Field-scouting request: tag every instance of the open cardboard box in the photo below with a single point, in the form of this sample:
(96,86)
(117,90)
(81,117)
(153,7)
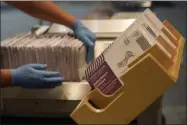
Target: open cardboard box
(148,77)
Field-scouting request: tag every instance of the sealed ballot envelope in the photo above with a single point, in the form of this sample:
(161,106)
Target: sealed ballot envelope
(104,72)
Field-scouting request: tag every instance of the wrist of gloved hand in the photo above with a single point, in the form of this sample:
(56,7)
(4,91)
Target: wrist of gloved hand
(34,76)
(77,24)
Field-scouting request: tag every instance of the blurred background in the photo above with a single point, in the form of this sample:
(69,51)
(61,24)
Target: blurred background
(174,104)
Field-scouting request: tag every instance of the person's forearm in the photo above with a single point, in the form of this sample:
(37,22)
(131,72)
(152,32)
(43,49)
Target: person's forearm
(45,10)
(5,78)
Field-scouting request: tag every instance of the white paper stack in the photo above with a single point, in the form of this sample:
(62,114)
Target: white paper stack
(61,53)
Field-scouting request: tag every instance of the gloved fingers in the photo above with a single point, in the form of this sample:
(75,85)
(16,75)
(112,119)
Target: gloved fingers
(54,80)
(92,37)
(38,66)
(89,49)
(90,54)
(47,73)
(87,41)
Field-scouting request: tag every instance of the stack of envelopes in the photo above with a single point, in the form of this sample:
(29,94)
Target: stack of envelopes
(61,53)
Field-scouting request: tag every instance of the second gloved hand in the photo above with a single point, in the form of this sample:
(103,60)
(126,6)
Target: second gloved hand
(34,76)
(87,37)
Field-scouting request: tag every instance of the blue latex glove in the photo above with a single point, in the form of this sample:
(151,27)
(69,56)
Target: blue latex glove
(34,76)
(87,37)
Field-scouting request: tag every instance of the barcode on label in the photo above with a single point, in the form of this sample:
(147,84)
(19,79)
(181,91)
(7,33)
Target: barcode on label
(143,43)
(149,30)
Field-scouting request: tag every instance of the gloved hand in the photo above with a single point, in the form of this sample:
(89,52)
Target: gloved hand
(87,37)
(34,76)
